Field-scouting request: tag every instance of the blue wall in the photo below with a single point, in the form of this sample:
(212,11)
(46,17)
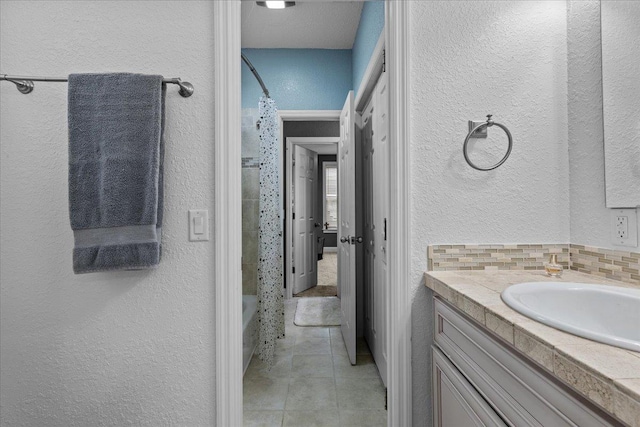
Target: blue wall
(314,79)
(369,30)
(298,79)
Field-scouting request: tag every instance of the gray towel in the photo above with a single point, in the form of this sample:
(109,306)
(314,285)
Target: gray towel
(115,170)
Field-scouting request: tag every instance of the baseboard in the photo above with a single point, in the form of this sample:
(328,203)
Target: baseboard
(333,250)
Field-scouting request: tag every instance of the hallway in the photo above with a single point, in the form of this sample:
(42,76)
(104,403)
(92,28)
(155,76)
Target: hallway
(313,383)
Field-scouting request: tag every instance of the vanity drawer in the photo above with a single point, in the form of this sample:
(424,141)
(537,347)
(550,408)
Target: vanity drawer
(522,393)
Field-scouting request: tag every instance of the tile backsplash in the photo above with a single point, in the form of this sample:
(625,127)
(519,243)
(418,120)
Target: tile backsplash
(612,264)
(495,256)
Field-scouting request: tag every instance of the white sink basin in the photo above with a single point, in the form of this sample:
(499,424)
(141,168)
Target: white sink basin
(608,314)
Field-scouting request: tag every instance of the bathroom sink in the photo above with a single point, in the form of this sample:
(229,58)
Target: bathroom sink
(607,314)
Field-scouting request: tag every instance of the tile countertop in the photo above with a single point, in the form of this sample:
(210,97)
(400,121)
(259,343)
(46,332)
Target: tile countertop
(607,375)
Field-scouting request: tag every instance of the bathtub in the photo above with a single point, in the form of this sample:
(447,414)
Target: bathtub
(249,328)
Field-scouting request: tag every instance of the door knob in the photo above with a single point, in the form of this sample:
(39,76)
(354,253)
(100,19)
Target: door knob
(344,239)
(355,240)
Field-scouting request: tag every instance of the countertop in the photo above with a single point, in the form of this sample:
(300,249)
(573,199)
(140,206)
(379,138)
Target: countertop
(608,376)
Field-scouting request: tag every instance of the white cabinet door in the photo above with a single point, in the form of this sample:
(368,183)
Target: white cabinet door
(455,402)
(347,226)
(519,390)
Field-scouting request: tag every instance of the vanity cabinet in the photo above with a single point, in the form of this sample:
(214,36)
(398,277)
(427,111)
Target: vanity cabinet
(456,402)
(488,383)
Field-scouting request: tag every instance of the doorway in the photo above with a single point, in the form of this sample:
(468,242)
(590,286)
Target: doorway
(310,215)
(228,370)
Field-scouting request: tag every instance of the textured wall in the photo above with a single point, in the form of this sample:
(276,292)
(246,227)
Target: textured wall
(469,59)
(369,30)
(298,79)
(114,348)
(590,220)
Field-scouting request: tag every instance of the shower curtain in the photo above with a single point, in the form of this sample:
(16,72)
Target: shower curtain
(270,274)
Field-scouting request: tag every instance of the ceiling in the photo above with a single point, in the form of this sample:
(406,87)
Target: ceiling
(307,25)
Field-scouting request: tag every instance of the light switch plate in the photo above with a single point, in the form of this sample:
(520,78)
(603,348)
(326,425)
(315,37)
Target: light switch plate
(198,225)
(624,227)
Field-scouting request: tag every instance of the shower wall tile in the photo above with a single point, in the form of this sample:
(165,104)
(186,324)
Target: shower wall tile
(250,162)
(250,215)
(495,256)
(250,183)
(250,148)
(249,279)
(612,264)
(250,247)
(250,199)
(250,133)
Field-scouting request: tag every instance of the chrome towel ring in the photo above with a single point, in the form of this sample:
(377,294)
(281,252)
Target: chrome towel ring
(488,124)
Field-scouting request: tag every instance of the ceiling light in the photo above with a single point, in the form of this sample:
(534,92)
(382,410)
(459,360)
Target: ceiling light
(276,4)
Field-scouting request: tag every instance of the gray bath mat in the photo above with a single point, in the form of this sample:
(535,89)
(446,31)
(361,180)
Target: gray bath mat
(321,311)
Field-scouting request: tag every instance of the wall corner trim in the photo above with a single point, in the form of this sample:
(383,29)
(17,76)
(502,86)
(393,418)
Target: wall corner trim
(228,275)
(399,302)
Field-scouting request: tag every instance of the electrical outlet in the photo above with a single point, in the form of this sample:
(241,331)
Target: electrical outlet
(624,227)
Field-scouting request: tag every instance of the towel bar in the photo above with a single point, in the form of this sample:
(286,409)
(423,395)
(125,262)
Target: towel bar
(25,84)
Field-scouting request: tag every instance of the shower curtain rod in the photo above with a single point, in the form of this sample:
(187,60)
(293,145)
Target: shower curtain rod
(255,73)
(25,84)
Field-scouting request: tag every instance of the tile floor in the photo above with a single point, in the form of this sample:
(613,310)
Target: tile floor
(313,383)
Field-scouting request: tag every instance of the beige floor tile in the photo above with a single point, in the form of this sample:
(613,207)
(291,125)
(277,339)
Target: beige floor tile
(312,346)
(303,382)
(363,418)
(258,369)
(337,343)
(311,394)
(307,332)
(311,419)
(360,393)
(285,345)
(265,393)
(263,418)
(292,330)
(365,366)
(312,366)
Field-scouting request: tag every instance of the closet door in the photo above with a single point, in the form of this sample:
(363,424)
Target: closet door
(369,295)
(380,141)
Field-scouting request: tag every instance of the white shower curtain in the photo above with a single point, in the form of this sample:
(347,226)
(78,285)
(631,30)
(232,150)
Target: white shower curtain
(270,274)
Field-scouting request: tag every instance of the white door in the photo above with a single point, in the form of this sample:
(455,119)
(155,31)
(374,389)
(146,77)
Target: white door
(380,142)
(370,331)
(305,255)
(376,212)
(346,227)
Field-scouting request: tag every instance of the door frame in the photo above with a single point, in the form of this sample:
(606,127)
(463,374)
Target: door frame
(290,143)
(228,223)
